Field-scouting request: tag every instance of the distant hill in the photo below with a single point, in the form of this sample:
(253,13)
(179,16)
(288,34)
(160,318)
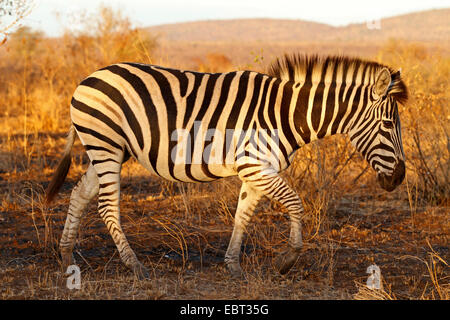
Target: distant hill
(432,25)
(267,30)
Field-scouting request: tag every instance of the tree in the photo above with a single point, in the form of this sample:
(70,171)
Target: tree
(24,40)
(11,12)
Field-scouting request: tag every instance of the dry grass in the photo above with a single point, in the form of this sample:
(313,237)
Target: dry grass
(181,231)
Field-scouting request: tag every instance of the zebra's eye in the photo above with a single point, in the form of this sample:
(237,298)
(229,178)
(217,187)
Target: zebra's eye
(388,124)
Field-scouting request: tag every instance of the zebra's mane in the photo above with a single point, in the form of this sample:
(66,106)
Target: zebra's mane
(296,67)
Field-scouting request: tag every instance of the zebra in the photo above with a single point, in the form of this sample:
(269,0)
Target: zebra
(138,110)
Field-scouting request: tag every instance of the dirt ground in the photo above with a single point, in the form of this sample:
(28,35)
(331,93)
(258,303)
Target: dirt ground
(181,232)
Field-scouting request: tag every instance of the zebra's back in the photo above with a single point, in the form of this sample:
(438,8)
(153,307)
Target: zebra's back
(181,125)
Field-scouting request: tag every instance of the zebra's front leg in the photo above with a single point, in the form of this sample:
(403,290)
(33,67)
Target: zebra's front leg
(108,207)
(248,198)
(274,187)
(82,194)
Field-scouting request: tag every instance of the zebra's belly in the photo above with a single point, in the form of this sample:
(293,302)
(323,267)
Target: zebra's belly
(191,172)
(181,160)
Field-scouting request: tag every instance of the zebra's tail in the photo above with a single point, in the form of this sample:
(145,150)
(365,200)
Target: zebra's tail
(63,168)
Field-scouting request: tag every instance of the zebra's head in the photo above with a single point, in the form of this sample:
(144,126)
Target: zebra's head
(377,132)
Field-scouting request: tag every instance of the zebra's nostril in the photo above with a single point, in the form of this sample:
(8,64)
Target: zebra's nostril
(390,182)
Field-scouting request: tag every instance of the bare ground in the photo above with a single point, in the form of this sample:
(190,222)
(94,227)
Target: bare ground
(181,232)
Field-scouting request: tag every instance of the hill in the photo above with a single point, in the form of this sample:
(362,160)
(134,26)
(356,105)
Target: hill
(429,25)
(267,30)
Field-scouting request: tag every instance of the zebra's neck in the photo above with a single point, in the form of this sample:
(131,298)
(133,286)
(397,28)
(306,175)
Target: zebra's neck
(330,106)
(329,94)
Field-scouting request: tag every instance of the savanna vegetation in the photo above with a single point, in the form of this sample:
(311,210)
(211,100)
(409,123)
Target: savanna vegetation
(181,231)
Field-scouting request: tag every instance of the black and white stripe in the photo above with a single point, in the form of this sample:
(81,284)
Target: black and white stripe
(177,124)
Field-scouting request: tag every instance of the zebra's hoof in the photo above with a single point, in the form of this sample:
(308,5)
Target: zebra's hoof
(235,270)
(141,272)
(286,260)
(67,258)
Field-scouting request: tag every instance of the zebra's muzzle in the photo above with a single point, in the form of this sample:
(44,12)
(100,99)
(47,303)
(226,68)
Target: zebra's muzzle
(389,183)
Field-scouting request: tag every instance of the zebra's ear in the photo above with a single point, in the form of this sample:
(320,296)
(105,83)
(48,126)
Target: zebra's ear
(383,82)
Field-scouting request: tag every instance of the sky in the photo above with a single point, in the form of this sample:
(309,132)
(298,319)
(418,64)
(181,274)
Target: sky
(54,16)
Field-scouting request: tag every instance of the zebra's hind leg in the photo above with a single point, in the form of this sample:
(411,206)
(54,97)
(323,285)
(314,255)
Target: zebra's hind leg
(248,198)
(82,194)
(108,207)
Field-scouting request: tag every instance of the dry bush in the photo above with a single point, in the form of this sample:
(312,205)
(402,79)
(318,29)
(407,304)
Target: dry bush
(321,173)
(38,75)
(365,293)
(214,62)
(109,38)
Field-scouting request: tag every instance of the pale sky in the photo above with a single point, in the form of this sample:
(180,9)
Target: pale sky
(154,12)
